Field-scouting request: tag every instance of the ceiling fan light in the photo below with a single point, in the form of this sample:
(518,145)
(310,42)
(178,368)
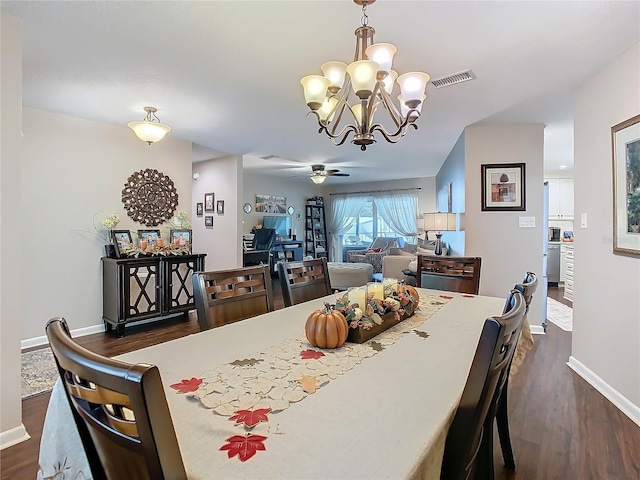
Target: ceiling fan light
(382,54)
(335,72)
(412,87)
(363,77)
(318,179)
(315,90)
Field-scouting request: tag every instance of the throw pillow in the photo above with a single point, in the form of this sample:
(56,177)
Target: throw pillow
(402,253)
(425,251)
(373,250)
(413,265)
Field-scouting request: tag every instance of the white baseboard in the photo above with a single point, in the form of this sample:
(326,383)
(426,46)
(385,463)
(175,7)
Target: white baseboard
(13,437)
(79,332)
(537,330)
(624,405)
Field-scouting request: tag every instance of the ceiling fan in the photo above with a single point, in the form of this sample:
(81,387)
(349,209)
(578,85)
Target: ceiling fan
(319,174)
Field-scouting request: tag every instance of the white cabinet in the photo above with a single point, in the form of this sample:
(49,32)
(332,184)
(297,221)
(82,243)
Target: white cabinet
(567,256)
(560,198)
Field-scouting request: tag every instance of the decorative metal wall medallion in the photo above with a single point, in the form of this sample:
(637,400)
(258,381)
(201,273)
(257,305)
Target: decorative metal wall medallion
(150,197)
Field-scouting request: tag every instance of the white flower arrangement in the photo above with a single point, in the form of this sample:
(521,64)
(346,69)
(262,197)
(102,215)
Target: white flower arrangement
(111,221)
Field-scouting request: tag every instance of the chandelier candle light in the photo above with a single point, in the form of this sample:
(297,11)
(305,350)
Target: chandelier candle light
(149,130)
(371,79)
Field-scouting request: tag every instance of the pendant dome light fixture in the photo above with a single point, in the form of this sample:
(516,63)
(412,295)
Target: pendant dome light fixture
(150,129)
(331,98)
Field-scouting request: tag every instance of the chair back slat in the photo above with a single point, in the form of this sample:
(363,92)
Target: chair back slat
(455,274)
(304,280)
(227,296)
(493,355)
(120,410)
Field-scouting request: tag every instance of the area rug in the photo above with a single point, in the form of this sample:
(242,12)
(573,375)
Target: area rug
(39,372)
(559,314)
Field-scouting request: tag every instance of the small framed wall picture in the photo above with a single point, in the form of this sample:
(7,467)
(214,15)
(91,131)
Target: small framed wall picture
(122,242)
(199,209)
(208,202)
(180,238)
(208,221)
(503,187)
(220,207)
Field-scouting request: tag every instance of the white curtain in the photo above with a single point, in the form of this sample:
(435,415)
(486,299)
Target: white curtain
(342,216)
(399,210)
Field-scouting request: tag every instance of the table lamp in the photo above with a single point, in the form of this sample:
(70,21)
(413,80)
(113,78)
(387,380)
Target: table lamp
(440,222)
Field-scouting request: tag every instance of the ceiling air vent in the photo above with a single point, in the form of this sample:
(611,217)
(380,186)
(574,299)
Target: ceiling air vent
(269,157)
(453,79)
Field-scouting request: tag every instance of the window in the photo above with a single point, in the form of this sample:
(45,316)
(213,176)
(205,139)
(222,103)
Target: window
(368,225)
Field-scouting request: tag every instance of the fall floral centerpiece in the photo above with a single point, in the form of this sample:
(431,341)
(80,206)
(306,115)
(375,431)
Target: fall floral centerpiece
(378,312)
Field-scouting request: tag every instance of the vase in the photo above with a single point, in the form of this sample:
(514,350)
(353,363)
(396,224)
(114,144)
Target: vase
(109,251)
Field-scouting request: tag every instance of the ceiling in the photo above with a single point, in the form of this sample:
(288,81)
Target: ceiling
(225,74)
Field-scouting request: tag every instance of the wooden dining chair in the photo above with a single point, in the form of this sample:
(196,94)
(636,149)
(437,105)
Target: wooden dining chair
(455,274)
(468,452)
(227,296)
(304,280)
(527,288)
(120,410)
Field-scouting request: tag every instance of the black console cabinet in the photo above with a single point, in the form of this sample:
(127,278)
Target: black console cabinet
(144,288)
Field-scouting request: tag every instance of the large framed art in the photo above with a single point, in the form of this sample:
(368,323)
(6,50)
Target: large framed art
(625,146)
(503,187)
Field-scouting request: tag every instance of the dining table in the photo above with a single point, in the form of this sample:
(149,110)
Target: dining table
(253,399)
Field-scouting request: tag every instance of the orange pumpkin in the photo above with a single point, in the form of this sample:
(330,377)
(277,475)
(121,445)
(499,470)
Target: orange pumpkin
(409,290)
(326,328)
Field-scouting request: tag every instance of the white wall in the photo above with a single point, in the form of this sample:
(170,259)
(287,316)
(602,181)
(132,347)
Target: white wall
(72,169)
(606,332)
(507,251)
(296,193)
(11,252)
(453,171)
(223,178)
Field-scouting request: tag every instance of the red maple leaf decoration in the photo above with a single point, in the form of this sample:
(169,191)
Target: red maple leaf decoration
(468,296)
(245,446)
(446,297)
(186,386)
(311,354)
(251,418)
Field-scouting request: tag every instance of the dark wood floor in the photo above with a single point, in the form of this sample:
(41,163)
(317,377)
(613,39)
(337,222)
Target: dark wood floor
(561,427)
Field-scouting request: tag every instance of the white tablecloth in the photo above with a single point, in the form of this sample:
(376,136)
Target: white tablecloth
(386,418)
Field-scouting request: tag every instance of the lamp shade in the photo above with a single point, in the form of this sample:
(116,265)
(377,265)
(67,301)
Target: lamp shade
(363,77)
(412,87)
(326,109)
(439,221)
(382,54)
(335,72)
(315,90)
(149,132)
(389,81)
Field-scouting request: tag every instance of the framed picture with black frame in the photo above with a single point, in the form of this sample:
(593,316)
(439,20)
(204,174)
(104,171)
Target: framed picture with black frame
(180,238)
(122,241)
(503,187)
(199,209)
(208,202)
(220,207)
(150,236)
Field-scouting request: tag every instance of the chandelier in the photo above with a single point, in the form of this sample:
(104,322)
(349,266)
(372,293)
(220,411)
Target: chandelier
(150,129)
(346,98)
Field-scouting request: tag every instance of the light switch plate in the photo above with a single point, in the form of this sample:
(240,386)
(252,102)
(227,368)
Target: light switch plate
(583,220)
(527,222)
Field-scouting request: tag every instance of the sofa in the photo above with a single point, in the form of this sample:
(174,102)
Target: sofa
(373,255)
(404,258)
